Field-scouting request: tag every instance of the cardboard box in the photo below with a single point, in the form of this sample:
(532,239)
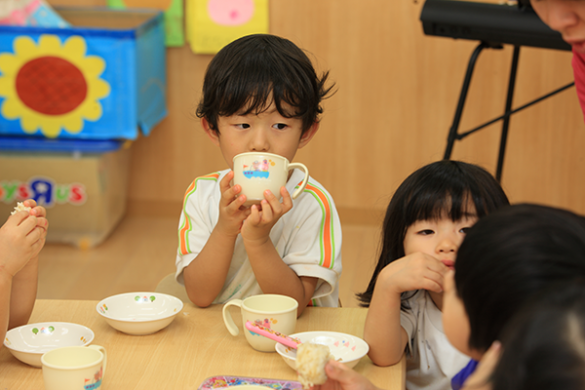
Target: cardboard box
(101,79)
(83,187)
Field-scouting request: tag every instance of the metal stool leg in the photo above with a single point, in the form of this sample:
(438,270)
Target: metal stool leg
(462,96)
(454,134)
(506,120)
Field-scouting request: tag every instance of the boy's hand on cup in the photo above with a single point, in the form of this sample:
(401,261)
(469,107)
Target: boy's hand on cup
(414,272)
(259,223)
(231,210)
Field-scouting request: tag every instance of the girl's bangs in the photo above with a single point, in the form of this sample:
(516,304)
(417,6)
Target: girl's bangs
(434,204)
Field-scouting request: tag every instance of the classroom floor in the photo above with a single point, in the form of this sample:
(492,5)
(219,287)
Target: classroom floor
(141,251)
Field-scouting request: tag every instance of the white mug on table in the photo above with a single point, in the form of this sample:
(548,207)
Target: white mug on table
(277,312)
(74,368)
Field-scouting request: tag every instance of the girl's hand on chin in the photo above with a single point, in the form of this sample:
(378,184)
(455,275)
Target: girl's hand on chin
(417,271)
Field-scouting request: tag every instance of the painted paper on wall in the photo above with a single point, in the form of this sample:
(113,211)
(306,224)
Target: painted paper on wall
(212,24)
(173,16)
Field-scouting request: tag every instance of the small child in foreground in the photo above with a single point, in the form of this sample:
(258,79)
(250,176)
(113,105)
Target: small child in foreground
(21,239)
(541,348)
(506,262)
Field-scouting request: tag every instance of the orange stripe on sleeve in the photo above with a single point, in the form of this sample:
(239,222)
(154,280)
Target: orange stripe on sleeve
(326,237)
(187,225)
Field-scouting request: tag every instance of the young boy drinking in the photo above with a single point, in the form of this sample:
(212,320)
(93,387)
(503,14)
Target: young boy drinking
(260,94)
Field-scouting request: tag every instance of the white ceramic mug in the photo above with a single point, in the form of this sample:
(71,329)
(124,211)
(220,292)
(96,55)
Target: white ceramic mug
(277,312)
(74,368)
(258,172)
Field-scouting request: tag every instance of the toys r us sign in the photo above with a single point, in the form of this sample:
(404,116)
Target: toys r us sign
(45,191)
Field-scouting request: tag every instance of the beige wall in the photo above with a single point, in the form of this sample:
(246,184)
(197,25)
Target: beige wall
(397,91)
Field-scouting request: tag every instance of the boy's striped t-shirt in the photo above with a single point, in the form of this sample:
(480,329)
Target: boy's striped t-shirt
(308,238)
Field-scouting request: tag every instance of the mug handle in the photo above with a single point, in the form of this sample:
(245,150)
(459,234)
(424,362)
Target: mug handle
(305,180)
(227,317)
(102,350)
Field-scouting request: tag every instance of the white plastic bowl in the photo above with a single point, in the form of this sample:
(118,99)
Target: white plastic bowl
(345,348)
(29,342)
(139,313)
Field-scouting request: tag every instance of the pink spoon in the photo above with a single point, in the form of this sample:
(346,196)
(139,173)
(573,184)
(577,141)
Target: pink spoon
(273,335)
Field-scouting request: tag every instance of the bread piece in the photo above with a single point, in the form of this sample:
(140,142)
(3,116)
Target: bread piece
(311,360)
(20,207)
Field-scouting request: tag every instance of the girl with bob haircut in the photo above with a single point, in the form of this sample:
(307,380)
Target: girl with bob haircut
(425,223)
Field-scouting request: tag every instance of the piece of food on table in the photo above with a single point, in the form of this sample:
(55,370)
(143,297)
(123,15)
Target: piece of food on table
(20,207)
(311,360)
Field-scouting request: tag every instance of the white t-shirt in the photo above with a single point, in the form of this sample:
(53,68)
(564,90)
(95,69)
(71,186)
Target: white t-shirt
(308,238)
(431,361)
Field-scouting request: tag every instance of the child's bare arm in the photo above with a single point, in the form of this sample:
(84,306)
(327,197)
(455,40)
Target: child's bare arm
(23,294)
(25,282)
(21,239)
(384,334)
(272,273)
(275,277)
(205,275)
(17,297)
(5,289)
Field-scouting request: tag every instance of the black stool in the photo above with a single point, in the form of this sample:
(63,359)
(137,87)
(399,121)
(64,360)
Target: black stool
(493,25)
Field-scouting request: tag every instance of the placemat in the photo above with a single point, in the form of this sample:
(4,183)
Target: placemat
(215,382)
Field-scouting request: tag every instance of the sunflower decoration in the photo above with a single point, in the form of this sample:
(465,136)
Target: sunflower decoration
(51,86)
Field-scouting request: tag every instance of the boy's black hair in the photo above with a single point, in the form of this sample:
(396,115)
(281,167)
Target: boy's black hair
(510,256)
(544,344)
(250,73)
(441,187)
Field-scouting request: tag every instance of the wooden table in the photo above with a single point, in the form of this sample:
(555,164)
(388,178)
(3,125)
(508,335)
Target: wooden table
(195,346)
